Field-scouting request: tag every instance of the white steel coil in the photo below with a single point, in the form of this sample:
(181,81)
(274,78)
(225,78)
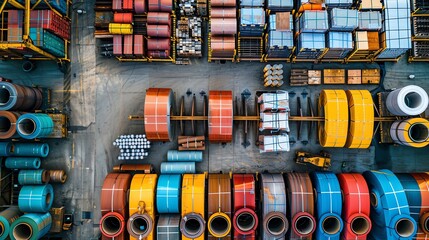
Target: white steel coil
(411,100)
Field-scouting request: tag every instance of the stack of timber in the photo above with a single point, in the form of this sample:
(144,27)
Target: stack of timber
(191,143)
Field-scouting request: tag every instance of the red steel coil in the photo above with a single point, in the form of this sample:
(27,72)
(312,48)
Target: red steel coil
(223,3)
(139,6)
(158,31)
(123,17)
(127,4)
(128,44)
(356,207)
(157,114)
(116,4)
(222,46)
(117,45)
(158,44)
(223,26)
(159,54)
(160,5)
(224,13)
(138,45)
(245,220)
(422,180)
(114,209)
(161,18)
(8,124)
(220,116)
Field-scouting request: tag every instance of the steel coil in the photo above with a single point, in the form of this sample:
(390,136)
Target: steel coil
(413,132)
(168,227)
(224,13)
(7,217)
(301,201)
(6,149)
(161,18)
(390,213)
(139,6)
(273,198)
(192,224)
(222,46)
(162,31)
(122,17)
(141,223)
(361,129)
(157,108)
(15,97)
(22,163)
(57,176)
(177,167)
(356,206)
(36,198)
(143,168)
(34,125)
(162,54)
(411,100)
(31,226)
(245,220)
(334,108)
(184,156)
(30,150)
(158,44)
(30,177)
(168,193)
(219,206)
(8,124)
(223,26)
(160,5)
(114,205)
(120,28)
(220,116)
(223,3)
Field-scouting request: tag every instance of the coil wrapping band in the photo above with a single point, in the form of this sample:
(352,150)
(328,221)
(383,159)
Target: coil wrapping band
(32,177)
(219,206)
(328,205)
(334,108)
(413,132)
(168,193)
(31,226)
(36,198)
(245,220)
(361,108)
(22,163)
(273,196)
(157,107)
(301,202)
(192,224)
(220,116)
(7,217)
(114,207)
(390,213)
(140,225)
(356,206)
(168,227)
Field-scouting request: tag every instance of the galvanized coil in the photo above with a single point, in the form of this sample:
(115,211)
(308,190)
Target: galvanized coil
(7,217)
(36,198)
(29,149)
(57,176)
(32,177)
(411,100)
(8,124)
(31,226)
(413,132)
(34,125)
(19,98)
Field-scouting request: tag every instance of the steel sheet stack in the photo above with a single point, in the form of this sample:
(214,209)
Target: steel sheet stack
(251,29)
(312,26)
(223,29)
(189,37)
(132,147)
(280,36)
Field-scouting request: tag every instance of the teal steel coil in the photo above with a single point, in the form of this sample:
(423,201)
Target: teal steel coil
(177,167)
(22,163)
(7,217)
(34,125)
(30,150)
(5,149)
(184,156)
(36,198)
(32,177)
(31,226)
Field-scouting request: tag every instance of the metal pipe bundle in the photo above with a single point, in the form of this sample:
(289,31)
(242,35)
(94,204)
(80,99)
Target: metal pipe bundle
(8,124)
(57,176)
(413,132)
(132,147)
(34,125)
(184,156)
(36,198)
(31,226)
(7,217)
(168,193)
(411,100)
(29,149)
(19,98)
(33,177)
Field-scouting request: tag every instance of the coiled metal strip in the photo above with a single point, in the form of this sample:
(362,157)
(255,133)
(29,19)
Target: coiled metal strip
(361,107)
(168,227)
(193,206)
(22,163)
(36,198)
(157,107)
(32,177)
(31,226)
(58,176)
(245,220)
(8,124)
(220,116)
(7,217)
(219,206)
(168,193)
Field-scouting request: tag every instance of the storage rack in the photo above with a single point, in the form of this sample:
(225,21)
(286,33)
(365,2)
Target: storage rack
(420,30)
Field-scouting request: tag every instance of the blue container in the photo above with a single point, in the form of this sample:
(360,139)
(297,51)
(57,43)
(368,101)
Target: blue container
(184,156)
(168,193)
(7,217)
(36,198)
(22,163)
(177,167)
(30,150)
(6,149)
(31,226)
(34,125)
(30,177)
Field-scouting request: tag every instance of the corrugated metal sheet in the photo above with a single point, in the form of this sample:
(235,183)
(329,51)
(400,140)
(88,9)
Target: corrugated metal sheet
(314,21)
(344,19)
(252,21)
(370,20)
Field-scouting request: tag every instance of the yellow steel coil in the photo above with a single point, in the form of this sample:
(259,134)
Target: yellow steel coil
(142,206)
(193,206)
(361,107)
(333,106)
(120,28)
(413,132)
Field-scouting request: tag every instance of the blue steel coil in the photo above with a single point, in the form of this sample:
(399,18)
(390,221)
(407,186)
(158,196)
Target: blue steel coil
(33,177)
(31,226)
(34,125)
(6,149)
(328,205)
(7,217)
(412,191)
(168,193)
(184,156)
(168,227)
(30,150)
(177,167)
(22,163)
(390,212)
(36,198)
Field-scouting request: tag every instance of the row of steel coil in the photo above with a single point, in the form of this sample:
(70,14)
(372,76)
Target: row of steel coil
(319,205)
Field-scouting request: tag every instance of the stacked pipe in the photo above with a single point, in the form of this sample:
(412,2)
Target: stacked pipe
(188,33)
(158,31)
(223,28)
(191,143)
(132,146)
(180,162)
(273,75)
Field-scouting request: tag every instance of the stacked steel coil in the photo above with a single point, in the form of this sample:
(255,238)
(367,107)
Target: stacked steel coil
(411,100)
(14,97)
(192,224)
(223,28)
(159,30)
(180,162)
(36,198)
(31,226)
(413,132)
(220,116)
(22,163)
(8,149)
(8,124)
(132,147)
(33,177)
(57,176)
(7,217)
(34,125)
(273,75)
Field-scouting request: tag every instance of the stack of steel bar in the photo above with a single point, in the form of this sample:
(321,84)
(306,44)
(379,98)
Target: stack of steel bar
(312,26)
(279,40)
(273,75)
(159,33)
(223,30)
(132,147)
(189,33)
(191,143)
(420,38)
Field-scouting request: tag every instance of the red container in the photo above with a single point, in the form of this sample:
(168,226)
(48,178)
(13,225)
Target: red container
(223,26)
(224,13)
(117,45)
(123,18)
(128,44)
(159,54)
(15,24)
(47,19)
(139,6)
(158,31)
(160,18)
(223,3)
(161,5)
(127,4)
(116,4)
(138,45)
(158,44)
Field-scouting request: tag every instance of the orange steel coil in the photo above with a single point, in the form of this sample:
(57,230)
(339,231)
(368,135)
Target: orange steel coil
(8,124)
(223,3)
(159,44)
(157,114)
(158,31)
(222,46)
(123,17)
(219,207)
(224,13)
(223,26)
(162,18)
(310,6)
(220,116)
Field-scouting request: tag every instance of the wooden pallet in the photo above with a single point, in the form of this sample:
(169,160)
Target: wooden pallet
(299,77)
(334,76)
(370,76)
(354,76)
(314,77)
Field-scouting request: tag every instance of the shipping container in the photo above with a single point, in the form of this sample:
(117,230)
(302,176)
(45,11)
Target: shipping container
(313,22)
(51,21)
(59,5)
(343,19)
(48,41)
(252,22)
(15,25)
